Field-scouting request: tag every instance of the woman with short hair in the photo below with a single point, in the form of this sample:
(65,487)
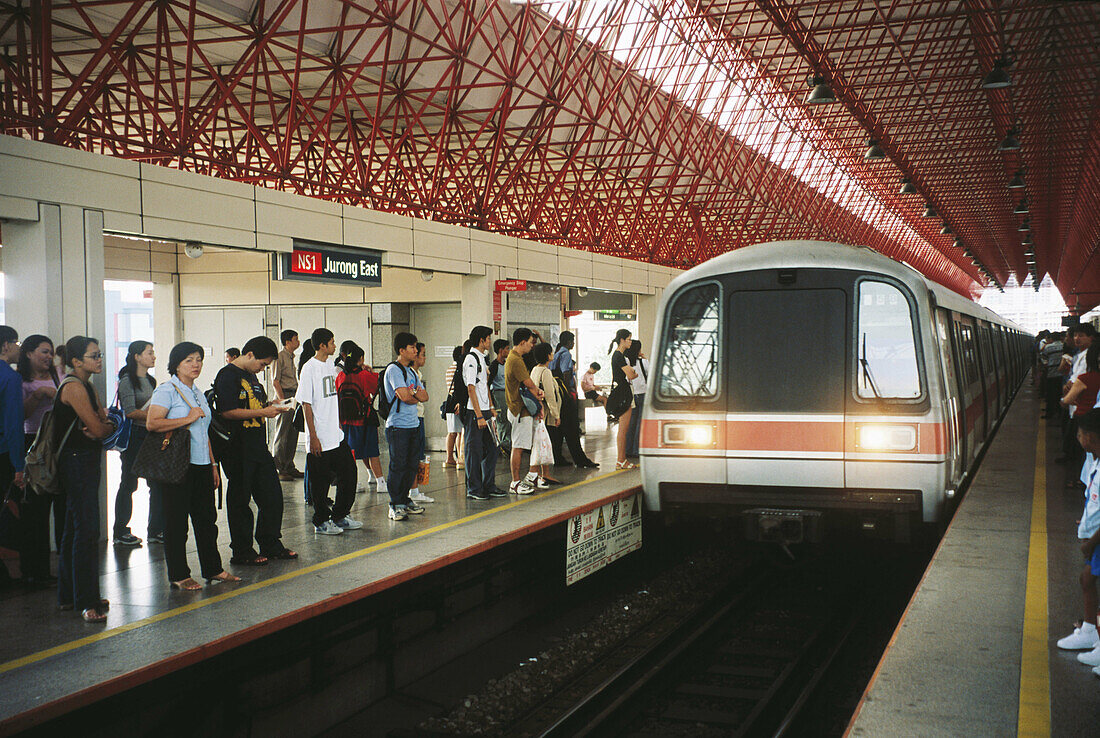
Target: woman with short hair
(177,405)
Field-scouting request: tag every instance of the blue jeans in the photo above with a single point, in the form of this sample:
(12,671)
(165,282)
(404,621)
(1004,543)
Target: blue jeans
(634,430)
(78,559)
(481,457)
(404,446)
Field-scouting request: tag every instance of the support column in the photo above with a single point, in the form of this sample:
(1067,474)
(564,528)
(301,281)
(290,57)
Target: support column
(477,301)
(53,270)
(647,318)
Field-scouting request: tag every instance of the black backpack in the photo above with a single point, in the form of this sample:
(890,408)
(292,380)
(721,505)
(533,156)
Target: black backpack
(385,402)
(459,395)
(220,432)
(351,401)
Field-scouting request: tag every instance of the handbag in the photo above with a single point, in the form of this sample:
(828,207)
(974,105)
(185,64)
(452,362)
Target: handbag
(120,438)
(618,402)
(165,456)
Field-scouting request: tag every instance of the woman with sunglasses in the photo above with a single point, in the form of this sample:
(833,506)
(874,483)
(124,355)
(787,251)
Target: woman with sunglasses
(80,422)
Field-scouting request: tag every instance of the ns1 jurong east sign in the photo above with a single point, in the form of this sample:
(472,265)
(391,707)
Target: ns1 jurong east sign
(316,263)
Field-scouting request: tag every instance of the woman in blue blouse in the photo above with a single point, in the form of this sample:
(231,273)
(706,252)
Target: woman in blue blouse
(178,404)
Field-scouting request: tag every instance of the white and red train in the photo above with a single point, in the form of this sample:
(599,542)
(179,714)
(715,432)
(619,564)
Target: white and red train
(797,380)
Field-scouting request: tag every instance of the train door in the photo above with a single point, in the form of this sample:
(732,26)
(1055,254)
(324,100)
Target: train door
(787,372)
(972,401)
(1004,363)
(990,389)
(952,392)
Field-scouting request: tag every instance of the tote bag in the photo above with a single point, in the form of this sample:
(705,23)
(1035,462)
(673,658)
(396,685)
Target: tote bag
(165,456)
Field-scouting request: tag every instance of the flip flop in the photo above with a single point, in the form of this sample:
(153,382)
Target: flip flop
(285,555)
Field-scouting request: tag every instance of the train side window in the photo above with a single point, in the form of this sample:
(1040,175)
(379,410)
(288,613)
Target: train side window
(886,349)
(970,361)
(689,361)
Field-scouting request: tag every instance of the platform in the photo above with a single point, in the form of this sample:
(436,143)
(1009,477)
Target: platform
(58,663)
(975,651)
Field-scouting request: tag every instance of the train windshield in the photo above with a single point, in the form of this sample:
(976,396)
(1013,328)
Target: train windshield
(886,348)
(689,361)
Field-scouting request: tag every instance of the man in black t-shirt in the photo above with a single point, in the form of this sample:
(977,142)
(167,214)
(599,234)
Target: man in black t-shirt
(241,401)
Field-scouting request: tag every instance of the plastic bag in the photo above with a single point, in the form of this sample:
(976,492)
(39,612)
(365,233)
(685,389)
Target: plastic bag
(542,451)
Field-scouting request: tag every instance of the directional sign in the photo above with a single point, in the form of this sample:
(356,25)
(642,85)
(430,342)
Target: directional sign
(311,262)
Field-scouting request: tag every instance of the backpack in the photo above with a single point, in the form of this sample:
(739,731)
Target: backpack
(220,432)
(41,472)
(385,402)
(459,394)
(351,401)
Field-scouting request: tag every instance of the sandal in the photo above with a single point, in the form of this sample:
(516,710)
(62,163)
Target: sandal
(223,577)
(254,560)
(625,465)
(104,606)
(285,555)
(187,584)
(92,615)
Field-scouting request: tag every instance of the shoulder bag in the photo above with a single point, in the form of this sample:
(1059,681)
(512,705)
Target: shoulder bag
(165,456)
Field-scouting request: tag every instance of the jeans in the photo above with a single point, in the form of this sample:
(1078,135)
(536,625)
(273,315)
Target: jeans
(124,503)
(404,446)
(481,457)
(78,559)
(194,498)
(336,463)
(634,429)
(252,476)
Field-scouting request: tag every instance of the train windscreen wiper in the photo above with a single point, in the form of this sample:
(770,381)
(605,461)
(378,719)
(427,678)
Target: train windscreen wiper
(866,367)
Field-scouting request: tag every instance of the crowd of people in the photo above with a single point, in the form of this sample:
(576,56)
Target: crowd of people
(502,398)
(1068,369)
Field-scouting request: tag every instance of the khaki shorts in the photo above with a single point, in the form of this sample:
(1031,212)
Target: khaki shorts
(523,431)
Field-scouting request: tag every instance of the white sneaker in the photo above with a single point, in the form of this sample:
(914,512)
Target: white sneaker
(1083,638)
(348,524)
(382,488)
(522,487)
(542,483)
(1096,671)
(360,488)
(328,528)
(418,496)
(1090,658)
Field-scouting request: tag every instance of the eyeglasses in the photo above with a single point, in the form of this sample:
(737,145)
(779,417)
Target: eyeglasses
(94,357)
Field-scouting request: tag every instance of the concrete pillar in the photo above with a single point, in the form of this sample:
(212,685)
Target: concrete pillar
(166,321)
(477,302)
(647,317)
(53,275)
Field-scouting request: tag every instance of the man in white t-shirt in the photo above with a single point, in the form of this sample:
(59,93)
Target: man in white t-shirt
(329,456)
(481,448)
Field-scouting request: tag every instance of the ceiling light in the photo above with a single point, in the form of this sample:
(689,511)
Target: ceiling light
(1021,209)
(821,92)
(907,187)
(1025,226)
(1027,240)
(1010,142)
(968,252)
(946,230)
(874,152)
(958,243)
(929,211)
(1017,181)
(998,78)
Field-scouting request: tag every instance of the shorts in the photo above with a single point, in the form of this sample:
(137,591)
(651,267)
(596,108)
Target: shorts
(362,440)
(523,431)
(454,425)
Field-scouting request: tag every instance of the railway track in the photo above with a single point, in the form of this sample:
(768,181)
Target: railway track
(742,664)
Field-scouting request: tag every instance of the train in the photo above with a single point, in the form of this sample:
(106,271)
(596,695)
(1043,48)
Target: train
(802,386)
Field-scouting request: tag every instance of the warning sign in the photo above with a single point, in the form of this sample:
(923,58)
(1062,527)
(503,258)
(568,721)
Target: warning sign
(599,536)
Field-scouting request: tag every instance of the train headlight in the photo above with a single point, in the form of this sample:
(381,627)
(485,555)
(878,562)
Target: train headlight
(884,437)
(689,435)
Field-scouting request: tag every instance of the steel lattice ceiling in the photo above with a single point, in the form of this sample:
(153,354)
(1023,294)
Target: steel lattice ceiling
(661,130)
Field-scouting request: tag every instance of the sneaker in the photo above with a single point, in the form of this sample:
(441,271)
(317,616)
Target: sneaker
(418,496)
(541,483)
(1083,638)
(522,487)
(477,495)
(398,513)
(413,509)
(383,488)
(1096,671)
(360,488)
(156,538)
(127,539)
(1090,658)
(494,492)
(348,523)
(328,528)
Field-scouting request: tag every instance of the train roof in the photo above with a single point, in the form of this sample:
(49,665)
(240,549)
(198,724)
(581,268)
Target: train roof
(817,254)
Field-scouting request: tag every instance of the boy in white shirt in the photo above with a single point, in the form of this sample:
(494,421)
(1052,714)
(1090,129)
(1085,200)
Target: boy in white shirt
(329,455)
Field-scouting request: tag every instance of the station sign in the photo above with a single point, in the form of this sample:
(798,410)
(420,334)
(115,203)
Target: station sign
(315,262)
(621,315)
(511,285)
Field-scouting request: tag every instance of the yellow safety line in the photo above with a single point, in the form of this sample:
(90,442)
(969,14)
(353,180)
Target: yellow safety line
(237,592)
(1034,715)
